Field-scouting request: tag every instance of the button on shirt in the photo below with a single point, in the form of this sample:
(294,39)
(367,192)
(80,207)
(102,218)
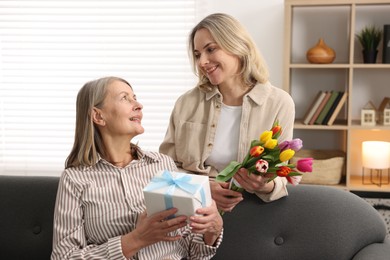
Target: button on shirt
(96,205)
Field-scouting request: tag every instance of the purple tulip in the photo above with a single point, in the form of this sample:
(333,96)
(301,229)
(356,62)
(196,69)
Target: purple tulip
(305,165)
(284,145)
(296,144)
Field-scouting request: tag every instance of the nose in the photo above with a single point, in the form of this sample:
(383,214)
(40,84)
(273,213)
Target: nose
(203,60)
(138,106)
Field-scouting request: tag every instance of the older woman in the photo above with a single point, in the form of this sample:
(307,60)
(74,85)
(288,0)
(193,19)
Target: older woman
(100,211)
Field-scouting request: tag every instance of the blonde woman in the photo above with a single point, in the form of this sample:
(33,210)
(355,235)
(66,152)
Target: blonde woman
(233,102)
(100,210)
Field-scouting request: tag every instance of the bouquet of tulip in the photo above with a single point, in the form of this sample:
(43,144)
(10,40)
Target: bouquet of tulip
(267,157)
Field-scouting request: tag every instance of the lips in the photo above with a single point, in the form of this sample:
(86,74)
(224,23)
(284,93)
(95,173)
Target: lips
(210,70)
(135,119)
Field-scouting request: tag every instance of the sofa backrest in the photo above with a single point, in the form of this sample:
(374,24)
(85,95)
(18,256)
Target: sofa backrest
(26,216)
(313,222)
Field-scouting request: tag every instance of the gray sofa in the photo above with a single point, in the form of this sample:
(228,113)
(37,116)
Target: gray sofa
(313,222)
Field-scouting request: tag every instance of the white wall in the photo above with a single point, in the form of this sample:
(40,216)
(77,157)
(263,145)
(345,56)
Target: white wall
(264,19)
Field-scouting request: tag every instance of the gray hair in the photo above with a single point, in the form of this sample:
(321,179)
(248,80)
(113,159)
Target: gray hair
(88,142)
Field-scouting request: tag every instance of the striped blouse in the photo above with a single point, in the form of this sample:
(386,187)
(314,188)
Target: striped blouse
(96,205)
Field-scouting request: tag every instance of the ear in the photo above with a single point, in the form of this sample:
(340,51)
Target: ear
(97,117)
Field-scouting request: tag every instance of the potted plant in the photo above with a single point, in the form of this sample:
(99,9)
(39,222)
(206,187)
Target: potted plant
(369,37)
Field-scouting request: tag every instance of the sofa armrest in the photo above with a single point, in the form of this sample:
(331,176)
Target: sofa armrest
(26,216)
(377,251)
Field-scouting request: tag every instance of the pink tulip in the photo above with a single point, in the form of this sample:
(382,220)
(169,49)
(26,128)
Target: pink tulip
(305,165)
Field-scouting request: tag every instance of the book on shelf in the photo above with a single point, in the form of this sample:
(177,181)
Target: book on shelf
(325,110)
(337,109)
(320,108)
(313,107)
(332,108)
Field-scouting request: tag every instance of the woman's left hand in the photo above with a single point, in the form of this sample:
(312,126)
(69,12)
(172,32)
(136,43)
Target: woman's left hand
(209,223)
(253,182)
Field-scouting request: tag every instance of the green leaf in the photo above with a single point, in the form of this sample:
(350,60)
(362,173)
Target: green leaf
(295,174)
(247,157)
(272,169)
(268,157)
(252,161)
(252,169)
(255,143)
(229,171)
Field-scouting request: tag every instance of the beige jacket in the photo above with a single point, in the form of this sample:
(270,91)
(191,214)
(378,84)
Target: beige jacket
(191,131)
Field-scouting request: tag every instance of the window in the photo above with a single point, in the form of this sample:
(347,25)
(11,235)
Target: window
(49,49)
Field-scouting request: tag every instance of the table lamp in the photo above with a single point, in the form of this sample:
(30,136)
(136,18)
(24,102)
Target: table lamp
(376,159)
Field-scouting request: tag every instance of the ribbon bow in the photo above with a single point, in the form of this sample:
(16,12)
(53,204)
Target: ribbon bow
(181,180)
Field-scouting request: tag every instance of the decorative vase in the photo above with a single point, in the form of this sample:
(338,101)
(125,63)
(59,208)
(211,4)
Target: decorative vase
(321,53)
(369,56)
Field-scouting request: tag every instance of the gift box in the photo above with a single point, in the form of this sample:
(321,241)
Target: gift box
(186,192)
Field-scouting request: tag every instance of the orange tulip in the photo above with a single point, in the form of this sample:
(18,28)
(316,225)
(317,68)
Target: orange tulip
(283,171)
(256,151)
(276,131)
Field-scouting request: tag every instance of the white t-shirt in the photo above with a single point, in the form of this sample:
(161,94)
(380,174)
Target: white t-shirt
(225,148)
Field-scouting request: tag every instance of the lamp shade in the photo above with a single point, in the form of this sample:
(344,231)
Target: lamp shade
(376,154)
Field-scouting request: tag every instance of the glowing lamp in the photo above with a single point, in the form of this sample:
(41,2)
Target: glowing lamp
(376,158)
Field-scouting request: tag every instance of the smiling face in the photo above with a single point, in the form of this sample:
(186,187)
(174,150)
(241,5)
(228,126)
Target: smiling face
(219,66)
(121,113)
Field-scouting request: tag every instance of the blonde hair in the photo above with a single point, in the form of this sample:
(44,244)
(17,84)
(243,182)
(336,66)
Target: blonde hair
(88,142)
(233,38)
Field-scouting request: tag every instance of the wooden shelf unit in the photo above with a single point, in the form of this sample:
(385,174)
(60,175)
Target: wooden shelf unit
(337,22)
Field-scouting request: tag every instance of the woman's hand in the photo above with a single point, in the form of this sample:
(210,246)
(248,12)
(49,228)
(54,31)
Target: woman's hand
(253,182)
(225,199)
(209,223)
(152,229)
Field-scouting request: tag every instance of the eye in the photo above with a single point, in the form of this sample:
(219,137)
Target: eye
(210,49)
(197,55)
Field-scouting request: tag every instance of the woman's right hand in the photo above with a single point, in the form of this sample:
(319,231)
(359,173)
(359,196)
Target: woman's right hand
(225,198)
(152,229)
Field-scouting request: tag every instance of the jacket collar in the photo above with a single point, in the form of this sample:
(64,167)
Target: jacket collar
(258,94)
(212,93)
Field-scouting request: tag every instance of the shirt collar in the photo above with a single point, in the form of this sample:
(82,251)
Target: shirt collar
(141,155)
(210,94)
(258,94)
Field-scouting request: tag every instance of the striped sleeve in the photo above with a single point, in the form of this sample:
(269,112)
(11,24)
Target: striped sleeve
(69,232)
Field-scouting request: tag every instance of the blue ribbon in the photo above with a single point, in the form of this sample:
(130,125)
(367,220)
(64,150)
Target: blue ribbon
(181,180)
